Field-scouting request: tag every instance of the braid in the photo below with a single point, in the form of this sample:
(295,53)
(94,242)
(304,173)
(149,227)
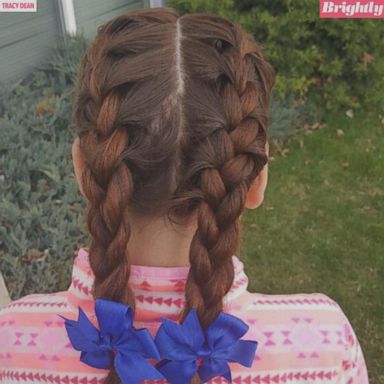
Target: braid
(110,151)
(107,183)
(226,162)
(172,119)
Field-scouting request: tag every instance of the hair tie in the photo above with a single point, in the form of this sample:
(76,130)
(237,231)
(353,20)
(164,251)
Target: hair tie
(117,342)
(185,348)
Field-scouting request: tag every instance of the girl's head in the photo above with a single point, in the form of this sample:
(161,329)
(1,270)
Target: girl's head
(172,114)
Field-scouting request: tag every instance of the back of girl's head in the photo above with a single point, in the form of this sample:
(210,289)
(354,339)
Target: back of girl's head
(172,115)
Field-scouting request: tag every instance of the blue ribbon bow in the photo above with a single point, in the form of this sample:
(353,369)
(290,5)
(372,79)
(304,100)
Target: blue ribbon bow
(117,342)
(185,348)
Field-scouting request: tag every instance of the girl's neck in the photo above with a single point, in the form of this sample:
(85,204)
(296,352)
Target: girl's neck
(158,243)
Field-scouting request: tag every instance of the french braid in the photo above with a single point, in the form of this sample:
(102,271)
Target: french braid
(109,73)
(107,184)
(171,113)
(230,154)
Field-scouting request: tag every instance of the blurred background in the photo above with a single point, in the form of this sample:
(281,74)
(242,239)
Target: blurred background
(321,226)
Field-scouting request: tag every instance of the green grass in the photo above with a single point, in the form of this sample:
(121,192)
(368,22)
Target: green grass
(321,226)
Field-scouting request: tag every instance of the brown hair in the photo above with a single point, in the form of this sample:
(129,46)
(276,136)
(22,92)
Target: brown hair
(172,115)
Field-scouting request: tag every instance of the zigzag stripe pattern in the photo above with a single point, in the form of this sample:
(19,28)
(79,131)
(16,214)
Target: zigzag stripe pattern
(147,287)
(28,376)
(80,286)
(179,285)
(286,377)
(308,376)
(29,303)
(160,300)
(296,301)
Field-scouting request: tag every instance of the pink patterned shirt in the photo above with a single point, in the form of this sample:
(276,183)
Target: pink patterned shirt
(302,338)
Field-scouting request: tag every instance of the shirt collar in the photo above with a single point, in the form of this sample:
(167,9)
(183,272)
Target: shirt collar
(157,289)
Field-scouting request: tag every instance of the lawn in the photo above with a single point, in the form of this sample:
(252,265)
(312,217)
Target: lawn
(321,226)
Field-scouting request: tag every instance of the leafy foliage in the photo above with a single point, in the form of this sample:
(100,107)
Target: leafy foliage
(338,62)
(40,208)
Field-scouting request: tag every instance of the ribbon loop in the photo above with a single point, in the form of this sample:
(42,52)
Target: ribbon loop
(185,349)
(117,342)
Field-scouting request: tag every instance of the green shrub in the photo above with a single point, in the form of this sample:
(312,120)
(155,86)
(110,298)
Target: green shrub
(40,208)
(338,62)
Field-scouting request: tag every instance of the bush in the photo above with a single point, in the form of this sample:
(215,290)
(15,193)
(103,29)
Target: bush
(337,62)
(40,208)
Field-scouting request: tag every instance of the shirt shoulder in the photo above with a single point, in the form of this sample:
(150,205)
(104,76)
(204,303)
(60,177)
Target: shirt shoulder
(304,334)
(32,334)
(30,312)
(34,344)
(39,306)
